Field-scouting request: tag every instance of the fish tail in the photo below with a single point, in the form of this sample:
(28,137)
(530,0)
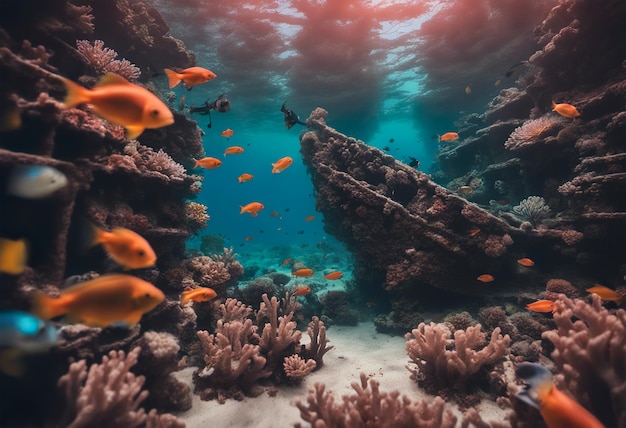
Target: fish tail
(46,307)
(553,105)
(241,211)
(185,297)
(172,77)
(197,163)
(76,94)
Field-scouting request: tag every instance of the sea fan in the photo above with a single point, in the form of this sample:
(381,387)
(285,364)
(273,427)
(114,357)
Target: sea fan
(532,209)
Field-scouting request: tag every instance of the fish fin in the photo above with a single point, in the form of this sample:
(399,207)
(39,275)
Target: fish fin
(538,382)
(76,94)
(111,79)
(172,77)
(46,307)
(133,131)
(254,214)
(11,363)
(553,105)
(241,209)
(185,297)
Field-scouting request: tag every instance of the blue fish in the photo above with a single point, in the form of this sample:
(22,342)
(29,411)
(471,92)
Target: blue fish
(35,181)
(22,333)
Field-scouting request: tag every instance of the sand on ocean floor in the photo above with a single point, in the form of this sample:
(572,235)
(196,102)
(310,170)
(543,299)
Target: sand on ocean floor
(356,349)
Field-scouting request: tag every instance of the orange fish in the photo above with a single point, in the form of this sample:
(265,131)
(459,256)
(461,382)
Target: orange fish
(309,218)
(370,304)
(190,76)
(200,294)
(273,213)
(303,272)
(302,291)
(13,255)
(485,278)
(281,164)
(100,302)
(449,136)
(121,103)
(249,238)
(565,110)
(233,150)
(126,247)
(286,261)
(334,275)
(227,133)
(541,306)
(473,232)
(245,177)
(208,163)
(606,293)
(558,410)
(526,262)
(252,208)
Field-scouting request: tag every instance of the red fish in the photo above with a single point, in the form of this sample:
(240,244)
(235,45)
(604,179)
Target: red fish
(309,218)
(558,410)
(541,306)
(485,278)
(333,275)
(303,272)
(302,291)
(526,262)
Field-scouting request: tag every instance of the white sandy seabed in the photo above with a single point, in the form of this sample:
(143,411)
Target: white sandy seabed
(356,349)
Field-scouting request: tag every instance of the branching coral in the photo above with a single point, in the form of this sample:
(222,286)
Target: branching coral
(532,209)
(108,394)
(590,353)
(158,163)
(317,346)
(103,61)
(279,336)
(370,407)
(530,132)
(438,367)
(296,367)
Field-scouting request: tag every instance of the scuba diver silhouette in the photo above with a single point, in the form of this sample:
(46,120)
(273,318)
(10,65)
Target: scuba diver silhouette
(291,118)
(221,104)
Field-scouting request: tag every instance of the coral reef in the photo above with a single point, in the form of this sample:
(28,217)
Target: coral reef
(590,355)
(439,368)
(371,407)
(108,394)
(102,60)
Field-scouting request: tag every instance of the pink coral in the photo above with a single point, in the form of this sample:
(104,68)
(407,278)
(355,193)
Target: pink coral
(530,132)
(296,367)
(102,60)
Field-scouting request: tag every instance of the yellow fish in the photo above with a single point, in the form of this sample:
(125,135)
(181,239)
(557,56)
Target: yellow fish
(100,302)
(13,256)
(121,103)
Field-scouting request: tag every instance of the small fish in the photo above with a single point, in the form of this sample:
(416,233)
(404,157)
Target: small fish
(227,133)
(558,410)
(208,163)
(121,103)
(35,181)
(541,306)
(334,275)
(200,294)
(108,299)
(233,150)
(252,208)
(245,177)
(473,232)
(190,76)
(565,110)
(497,83)
(249,238)
(468,90)
(465,190)
(391,140)
(181,103)
(273,213)
(281,164)
(448,136)
(10,116)
(125,247)
(22,333)
(309,218)
(485,278)
(302,291)
(303,272)
(370,304)
(13,255)
(526,262)
(286,261)
(607,294)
